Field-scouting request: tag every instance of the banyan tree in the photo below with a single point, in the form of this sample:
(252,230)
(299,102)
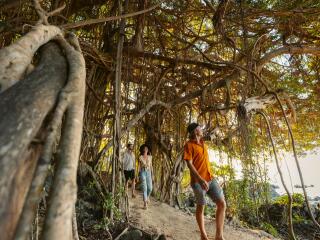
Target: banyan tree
(80,79)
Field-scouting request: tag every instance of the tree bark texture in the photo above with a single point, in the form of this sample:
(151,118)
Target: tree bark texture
(58,223)
(15,59)
(23,109)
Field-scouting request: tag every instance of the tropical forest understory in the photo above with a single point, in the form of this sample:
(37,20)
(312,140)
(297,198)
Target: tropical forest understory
(81,79)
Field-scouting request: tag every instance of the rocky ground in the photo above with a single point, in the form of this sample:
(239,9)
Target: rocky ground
(170,223)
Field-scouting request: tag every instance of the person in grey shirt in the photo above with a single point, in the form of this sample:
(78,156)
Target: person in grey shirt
(129,165)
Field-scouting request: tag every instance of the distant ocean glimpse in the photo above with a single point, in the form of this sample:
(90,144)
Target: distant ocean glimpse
(309,163)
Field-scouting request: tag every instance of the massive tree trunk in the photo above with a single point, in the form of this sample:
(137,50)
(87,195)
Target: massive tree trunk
(24,108)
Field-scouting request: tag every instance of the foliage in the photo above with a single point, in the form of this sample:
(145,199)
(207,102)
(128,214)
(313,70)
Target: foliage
(269,228)
(297,218)
(209,211)
(109,204)
(223,170)
(297,200)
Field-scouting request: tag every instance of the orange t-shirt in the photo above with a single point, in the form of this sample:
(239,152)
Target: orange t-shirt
(199,154)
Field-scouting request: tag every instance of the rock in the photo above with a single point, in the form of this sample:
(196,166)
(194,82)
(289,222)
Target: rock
(192,209)
(274,194)
(89,223)
(264,235)
(273,186)
(162,237)
(188,211)
(316,199)
(190,201)
(210,203)
(314,209)
(132,235)
(235,222)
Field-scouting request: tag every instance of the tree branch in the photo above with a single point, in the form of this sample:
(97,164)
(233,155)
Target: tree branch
(303,49)
(108,19)
(132,123)
(148,55)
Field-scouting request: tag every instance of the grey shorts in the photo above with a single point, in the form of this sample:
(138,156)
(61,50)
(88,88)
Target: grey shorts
(215,192)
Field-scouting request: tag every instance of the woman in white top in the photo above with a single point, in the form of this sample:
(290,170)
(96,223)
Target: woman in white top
(145,166)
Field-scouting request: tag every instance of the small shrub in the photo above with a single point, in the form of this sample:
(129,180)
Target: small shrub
(297,198)
(269,229)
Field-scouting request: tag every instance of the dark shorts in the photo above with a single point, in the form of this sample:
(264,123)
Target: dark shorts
(129,175)
(215,192)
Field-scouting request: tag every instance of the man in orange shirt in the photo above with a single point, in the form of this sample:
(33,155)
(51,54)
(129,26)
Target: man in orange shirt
(202,180)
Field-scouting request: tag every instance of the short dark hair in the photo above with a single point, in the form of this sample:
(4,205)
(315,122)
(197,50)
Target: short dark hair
(192,127)
(129,145)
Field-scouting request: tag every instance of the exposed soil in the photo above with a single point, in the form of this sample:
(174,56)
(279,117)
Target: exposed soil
(175,224)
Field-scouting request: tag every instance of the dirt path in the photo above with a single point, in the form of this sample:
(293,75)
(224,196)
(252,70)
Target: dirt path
(160,218)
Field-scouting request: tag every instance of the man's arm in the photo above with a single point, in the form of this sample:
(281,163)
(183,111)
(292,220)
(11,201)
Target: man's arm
(196,175)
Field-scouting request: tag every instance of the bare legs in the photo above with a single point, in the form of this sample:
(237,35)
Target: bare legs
(133,187)
(200,221)
(220,215)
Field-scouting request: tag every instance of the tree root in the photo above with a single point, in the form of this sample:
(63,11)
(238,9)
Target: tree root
(297,163)
(15,59)
(290,226)
(63,194)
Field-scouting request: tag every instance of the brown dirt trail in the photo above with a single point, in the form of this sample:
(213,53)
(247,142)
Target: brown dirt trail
(175,224)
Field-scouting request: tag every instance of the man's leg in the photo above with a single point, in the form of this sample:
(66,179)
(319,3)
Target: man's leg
(220,215)
(133,188)
(216,194)
(199,194)
(200,221)
(126,184)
